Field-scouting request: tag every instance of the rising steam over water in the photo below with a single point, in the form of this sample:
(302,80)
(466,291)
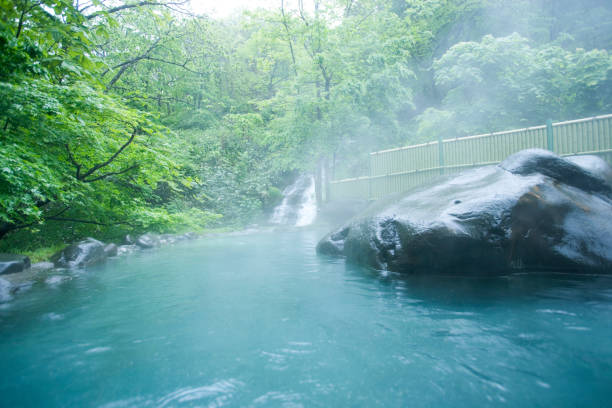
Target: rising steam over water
(299,206)
(257,319)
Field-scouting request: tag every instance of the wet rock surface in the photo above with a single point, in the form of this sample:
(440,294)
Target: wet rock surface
(127,249)
(11,263)
(42,266)
(110,250)
(84,253)
(148,241)
(534,211)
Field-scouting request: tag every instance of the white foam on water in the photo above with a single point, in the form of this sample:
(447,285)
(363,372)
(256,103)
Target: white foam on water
(97,350)
(53,316)
(219,392)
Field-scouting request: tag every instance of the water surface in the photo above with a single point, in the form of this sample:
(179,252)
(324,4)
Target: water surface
(257,319)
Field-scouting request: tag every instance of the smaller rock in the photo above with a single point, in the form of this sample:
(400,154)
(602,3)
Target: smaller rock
(42,266)
(190,235)
(127,249)
(128,240)
(110,250)
(167,239)
(10,263)
(148,241)
(5,291)
(84,253)
(21,287)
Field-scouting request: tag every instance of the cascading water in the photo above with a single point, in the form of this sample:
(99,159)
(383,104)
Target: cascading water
(299,206)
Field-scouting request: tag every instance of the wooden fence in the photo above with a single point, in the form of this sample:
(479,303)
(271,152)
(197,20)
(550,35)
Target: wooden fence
(400,169)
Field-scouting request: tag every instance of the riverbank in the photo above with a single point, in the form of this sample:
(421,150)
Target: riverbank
(42,264)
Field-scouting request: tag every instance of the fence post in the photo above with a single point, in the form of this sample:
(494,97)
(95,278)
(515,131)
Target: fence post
(441,153)
(550,141)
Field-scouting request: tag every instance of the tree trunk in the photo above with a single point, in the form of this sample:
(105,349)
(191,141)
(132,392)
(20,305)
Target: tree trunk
(319,183)
(326,179)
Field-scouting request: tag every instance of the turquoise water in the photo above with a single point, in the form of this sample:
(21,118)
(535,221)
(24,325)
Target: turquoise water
(257,319)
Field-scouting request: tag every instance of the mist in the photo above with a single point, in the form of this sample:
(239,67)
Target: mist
(305,203)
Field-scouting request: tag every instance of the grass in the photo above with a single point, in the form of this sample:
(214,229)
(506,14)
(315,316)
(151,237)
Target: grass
(43,254)
(41,249)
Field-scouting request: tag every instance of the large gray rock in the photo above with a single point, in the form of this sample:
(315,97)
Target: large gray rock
(84,253)
(11,263)
(535,211)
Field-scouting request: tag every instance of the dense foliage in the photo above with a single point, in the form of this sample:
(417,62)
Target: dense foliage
(122,116)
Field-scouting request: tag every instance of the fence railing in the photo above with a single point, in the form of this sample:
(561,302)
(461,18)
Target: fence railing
(400,169)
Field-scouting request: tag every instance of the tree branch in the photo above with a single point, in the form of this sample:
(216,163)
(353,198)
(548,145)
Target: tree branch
(174,63)
(112,173)
(134,5)
(74,162)
(286,25)
(125,65)
(113,157)
(88,221)
(301,10)
(83,176)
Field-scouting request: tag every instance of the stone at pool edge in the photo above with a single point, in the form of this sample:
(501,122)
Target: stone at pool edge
(110,250)
(12,263)
(151,240)
(91,251)
(127,249)
(42,266)
(83,253)
(148,241)
(535,211)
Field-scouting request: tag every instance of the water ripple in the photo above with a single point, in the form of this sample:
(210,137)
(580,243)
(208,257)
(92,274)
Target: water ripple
(222,391)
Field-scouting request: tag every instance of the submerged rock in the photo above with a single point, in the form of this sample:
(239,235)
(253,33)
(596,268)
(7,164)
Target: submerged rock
(11,263)
(534,211)
(56,280)
(84,253)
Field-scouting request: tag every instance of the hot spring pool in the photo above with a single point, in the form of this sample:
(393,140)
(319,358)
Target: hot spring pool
(258,319)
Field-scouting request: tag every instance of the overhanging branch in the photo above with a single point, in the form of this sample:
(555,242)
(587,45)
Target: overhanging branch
(134,5)
(84,176)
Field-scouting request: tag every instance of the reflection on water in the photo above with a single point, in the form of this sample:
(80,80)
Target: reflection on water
(257,319)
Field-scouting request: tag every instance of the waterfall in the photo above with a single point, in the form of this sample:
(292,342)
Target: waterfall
(299,206)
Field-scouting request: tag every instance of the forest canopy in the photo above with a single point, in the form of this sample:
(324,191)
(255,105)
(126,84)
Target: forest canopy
(121,116)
